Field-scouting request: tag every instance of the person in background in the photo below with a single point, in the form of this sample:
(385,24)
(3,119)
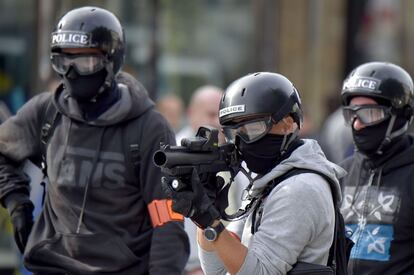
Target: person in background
(104,210)
(378,204)
(202,110)
(309,130)
(335,137)
(171,107)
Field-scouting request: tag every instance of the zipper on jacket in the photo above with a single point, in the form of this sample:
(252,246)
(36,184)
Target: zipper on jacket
(362,223)
(371,177)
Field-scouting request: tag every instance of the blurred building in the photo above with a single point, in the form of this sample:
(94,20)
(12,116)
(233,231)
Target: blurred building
(180,45)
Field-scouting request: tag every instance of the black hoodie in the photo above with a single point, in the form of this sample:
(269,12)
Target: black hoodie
(378,208)
(115,234)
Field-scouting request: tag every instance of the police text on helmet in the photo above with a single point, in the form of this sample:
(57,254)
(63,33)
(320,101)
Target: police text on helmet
(231,110)
(361,83)
(71,38)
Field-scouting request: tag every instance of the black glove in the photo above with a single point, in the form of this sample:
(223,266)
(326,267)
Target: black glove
(21,212)
(216,190)
(22,219)
(212,185)
(194,200)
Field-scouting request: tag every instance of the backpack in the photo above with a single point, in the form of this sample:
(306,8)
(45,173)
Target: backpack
(132,132)
(340,250)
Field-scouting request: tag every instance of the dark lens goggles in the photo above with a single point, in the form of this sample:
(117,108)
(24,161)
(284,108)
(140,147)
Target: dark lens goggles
(249,131)
(84,64)
(367,114)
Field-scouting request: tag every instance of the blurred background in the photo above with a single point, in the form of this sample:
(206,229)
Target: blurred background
(175,46)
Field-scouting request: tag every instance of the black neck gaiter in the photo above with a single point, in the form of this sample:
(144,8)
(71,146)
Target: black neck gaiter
(84,87)
(263,155)
(368,139)
(92,110)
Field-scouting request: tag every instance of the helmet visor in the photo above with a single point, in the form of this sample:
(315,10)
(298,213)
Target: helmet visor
(367,114)
(249,131)
(84,64)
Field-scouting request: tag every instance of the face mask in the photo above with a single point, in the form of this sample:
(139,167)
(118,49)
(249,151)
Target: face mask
(84,87)
(368,139)
(263,155)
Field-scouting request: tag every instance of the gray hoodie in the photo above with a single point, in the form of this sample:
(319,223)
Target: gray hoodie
(298,219)
(116,235)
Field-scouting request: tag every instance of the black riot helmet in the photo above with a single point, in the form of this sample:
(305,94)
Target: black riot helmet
(92,27)
(390,86)
(380,80)
(261,93)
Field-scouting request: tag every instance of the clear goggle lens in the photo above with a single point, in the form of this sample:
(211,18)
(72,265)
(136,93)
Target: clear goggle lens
(249,131)
(367,114)
(84,64)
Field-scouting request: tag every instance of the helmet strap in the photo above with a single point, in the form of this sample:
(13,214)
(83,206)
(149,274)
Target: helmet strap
(389,136)
(287,140)
(410,120)
(108,80)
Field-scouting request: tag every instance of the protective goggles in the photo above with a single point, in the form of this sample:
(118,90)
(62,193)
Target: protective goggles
(84,64)
(249,131)
(367,114)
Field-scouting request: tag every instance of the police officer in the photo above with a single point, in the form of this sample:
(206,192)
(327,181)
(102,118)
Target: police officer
(378,203)
(104,209)
(261,114)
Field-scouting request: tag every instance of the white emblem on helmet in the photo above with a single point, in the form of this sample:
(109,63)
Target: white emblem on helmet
(70,38)
(366,83)
(232,110)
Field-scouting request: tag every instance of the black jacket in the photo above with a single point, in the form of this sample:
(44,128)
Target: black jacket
(378,207)
(116,234)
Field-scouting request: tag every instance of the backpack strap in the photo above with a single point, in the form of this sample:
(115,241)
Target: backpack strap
(133,133)
(258,211)
(293,172)
(49,120)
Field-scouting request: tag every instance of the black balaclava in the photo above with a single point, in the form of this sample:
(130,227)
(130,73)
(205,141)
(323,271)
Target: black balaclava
(84,88)
(368,139)
(263,155)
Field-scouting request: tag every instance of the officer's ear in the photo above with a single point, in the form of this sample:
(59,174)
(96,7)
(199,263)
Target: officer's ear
(289,125)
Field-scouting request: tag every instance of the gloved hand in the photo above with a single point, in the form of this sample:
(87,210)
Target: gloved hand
(22,220)
(195,200)
(212,185)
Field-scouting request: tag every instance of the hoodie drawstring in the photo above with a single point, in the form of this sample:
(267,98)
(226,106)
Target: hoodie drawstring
(88,180)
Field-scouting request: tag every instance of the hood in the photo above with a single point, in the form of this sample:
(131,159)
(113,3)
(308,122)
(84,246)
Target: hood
(133,102)
(308,156)
(400,155)
(403,156)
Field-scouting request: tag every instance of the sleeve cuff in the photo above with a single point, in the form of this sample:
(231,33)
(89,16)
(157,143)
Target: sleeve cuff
(13,200)
(210,262)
